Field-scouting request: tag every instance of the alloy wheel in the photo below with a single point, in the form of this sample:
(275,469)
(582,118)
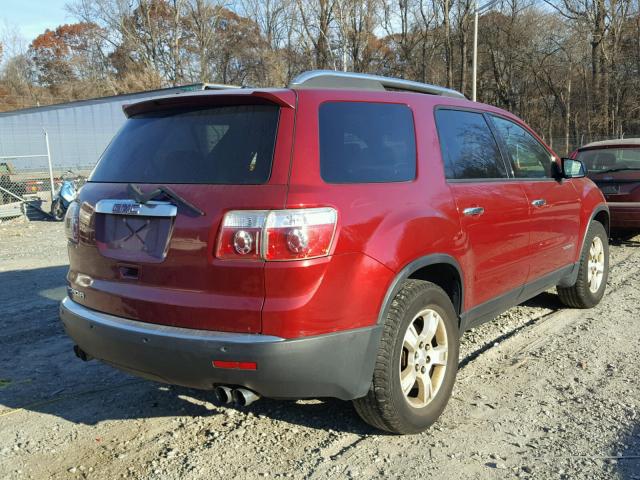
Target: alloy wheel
(596,264)
(423,361)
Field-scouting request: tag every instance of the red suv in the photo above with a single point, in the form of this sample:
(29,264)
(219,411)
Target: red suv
(332,239)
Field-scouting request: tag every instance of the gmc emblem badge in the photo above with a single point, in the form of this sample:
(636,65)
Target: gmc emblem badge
(126,208)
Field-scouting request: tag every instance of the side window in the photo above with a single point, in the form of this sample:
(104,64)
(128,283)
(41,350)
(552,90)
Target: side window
(469,149)
(366,142)
(528,158)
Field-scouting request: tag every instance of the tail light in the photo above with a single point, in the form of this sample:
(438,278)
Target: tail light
(277,235)
(241,234)
(71,221)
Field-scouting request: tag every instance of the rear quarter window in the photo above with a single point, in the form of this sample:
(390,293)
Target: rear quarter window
(218,145)
(366,142)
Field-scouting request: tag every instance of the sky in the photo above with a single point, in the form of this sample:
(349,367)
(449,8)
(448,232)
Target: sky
(33,17)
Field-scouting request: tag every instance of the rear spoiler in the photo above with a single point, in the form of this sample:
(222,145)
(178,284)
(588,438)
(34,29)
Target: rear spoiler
(281,97)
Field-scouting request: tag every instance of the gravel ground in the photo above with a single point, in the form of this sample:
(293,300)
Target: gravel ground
(543,392)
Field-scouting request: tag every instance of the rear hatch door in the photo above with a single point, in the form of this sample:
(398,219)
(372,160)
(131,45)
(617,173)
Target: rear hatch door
(151,211)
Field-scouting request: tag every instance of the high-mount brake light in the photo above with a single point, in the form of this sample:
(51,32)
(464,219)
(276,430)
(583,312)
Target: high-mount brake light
(277,235)
(71,222)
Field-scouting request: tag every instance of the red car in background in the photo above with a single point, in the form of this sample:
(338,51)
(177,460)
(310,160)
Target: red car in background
(614,165)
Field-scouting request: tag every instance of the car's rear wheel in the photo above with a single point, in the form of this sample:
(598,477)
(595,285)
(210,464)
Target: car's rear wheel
(417,361)
(593,271)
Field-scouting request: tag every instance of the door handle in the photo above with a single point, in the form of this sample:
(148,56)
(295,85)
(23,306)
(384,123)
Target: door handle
(473,211)
(541,202)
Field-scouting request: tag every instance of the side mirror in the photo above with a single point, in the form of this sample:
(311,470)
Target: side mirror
(572,168)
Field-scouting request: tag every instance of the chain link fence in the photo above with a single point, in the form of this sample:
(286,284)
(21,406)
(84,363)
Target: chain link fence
(27,182)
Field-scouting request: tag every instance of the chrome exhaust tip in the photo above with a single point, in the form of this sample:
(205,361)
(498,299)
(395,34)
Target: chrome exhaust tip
(223,394)
(244,397)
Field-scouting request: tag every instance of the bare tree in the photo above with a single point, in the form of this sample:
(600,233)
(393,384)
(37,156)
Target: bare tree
(317,18)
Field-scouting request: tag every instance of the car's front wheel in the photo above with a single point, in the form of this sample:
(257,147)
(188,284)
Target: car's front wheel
(417,361)
(593,271)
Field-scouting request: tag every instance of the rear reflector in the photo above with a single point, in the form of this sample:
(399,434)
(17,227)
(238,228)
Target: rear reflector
(235,365)
(277,235)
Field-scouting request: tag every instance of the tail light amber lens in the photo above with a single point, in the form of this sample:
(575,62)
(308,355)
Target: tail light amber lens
(277,235)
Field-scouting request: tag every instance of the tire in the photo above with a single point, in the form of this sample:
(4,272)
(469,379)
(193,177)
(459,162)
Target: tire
(589,289)
(386,406)
(57,210)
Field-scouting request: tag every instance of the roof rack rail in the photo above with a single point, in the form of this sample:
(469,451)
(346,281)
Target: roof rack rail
(218,86)
(363,81)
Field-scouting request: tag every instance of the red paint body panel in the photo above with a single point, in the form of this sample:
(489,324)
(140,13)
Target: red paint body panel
(323,295)
(189,288)
(554,227)
(496,242)
(381,229)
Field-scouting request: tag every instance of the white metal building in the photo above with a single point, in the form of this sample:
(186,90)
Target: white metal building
(78,131)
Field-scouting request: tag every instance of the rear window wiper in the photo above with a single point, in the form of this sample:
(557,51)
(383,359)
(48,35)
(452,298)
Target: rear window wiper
(141,197)
(621,169)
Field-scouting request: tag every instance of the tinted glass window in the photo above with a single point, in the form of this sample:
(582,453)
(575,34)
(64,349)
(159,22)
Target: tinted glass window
(607,159)
(366,142)
(528,157)
(223,145)
(469,149)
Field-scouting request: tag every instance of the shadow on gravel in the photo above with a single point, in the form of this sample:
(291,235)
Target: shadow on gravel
(628,465)
(625,239)
(40,373)
(625,243)
(545,300)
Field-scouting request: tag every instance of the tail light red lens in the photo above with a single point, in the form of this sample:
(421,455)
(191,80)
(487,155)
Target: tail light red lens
(241,235)
(277,235)
(298,234)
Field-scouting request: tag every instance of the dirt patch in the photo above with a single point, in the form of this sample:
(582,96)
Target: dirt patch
(543,392)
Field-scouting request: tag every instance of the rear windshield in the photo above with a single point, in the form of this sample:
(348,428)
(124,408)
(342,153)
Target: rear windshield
(608,159)
(366,143)
(220,145)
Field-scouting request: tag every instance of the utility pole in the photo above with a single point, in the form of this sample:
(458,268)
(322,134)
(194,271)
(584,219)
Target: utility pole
(46,141)
(474,75)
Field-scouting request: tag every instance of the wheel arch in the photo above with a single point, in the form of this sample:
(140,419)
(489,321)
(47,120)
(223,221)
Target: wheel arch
(439,268)
(602,215)
(599,214)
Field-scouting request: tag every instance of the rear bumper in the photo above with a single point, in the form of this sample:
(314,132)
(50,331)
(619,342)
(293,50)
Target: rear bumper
(625,215)
(333,365)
